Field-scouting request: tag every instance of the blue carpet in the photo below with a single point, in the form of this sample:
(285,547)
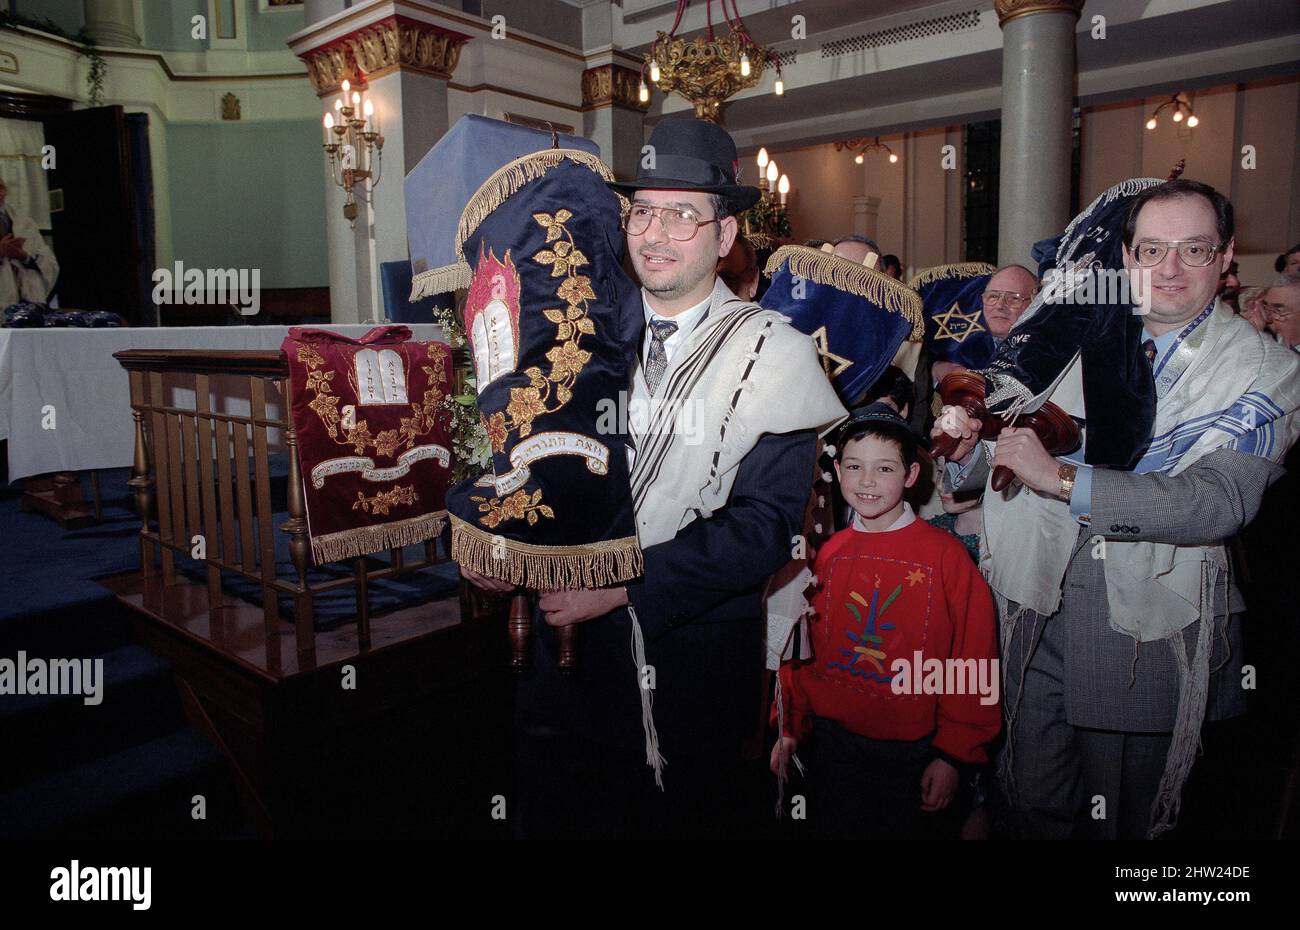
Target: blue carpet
(48,569)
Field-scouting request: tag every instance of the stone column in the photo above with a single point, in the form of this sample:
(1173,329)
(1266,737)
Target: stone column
(1038,71)
(866,216)
(112,23)
(406,66)
(613,117)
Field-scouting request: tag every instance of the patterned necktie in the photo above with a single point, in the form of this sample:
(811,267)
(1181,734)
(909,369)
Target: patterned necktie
(657,360)
(1149,350)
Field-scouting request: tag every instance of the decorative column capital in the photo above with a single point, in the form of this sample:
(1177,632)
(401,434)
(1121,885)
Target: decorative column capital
(1008,10)
(612,85)
(378,47)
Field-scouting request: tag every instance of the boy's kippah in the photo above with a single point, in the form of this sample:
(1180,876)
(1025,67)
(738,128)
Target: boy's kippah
(872,413)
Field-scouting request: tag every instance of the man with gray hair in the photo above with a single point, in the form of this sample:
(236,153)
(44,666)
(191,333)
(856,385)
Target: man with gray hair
(1281,304)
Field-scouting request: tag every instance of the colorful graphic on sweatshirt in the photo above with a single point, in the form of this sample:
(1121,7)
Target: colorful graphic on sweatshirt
(868,644)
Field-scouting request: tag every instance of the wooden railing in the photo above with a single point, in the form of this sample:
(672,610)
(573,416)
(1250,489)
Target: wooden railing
(207,474)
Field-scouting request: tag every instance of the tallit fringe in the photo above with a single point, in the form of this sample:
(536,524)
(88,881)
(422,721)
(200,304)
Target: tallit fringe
(958,270)
(781,776)
(349,544)
(538,568)
(507,179)
(844,275)
(653,758)
(1193,693)
(440,281)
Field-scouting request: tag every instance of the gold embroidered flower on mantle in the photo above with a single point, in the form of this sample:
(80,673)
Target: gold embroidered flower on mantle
(495,427)
(384,501)
(388,443)
(519,504)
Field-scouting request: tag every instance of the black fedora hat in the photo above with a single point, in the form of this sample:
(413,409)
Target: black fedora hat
(692,155)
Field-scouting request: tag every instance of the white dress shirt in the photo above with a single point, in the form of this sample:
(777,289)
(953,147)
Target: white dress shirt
(686,321)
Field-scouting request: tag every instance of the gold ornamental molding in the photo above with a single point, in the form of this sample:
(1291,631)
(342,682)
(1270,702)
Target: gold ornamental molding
(383,46)
(611,85)
(1008,10)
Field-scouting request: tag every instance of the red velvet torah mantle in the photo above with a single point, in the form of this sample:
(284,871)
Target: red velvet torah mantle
(374,442)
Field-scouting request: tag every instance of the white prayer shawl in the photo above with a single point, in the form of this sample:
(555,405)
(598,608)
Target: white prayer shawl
(1223,385)
(743,372)
(18,282)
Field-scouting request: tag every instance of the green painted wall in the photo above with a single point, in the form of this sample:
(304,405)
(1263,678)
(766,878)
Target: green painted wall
(249,196)
(167,24)
(267,31)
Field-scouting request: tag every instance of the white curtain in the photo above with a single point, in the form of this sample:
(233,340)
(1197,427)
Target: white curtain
(20,166)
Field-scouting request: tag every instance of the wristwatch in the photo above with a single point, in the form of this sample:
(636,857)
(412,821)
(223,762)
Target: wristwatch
(1066,473)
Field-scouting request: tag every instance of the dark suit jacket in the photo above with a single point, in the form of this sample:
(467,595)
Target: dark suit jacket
(1111,684)
(700,607)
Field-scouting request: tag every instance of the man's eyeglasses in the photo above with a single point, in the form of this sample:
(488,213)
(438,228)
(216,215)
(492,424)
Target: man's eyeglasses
(1194,253)
(1011,298)
(678,225)
(1277,311)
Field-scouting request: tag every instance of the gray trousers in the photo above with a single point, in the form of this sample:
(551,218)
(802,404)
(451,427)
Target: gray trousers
(1059,781)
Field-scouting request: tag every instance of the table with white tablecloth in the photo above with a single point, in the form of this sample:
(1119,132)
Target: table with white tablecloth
(65,402)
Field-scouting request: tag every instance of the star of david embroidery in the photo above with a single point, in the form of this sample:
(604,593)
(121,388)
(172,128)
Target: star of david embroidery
(829,358)
(956,325)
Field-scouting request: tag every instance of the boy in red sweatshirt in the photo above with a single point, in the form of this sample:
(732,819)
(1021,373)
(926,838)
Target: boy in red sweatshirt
(902,690)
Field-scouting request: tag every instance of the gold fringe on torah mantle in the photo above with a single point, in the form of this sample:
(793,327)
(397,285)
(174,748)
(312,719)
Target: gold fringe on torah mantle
(959,270)
(349,544)
(545,568)
(852,278)
(507,179)
(442,280)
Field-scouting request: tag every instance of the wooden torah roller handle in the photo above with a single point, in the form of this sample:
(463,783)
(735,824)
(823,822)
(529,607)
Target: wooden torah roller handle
(521,614)
(521,617)
(1052,425)
(566,648)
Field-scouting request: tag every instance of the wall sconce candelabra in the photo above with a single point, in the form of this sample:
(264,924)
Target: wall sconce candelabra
(356,151)
(864,147)
(1182,109)
(768,220)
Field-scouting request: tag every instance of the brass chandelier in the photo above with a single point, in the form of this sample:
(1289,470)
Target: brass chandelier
(708,69)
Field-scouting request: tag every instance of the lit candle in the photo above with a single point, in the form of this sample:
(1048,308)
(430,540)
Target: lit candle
(784,188)
(329,124)
(762,160)
(772,172)
(744,66)
(780,87)
(369,111)
(356,99)
(643,93)
(654,71)
(346,87)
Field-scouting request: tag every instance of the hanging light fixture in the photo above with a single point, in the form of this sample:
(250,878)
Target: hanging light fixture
(1182,110)
(711,68)
(863,147)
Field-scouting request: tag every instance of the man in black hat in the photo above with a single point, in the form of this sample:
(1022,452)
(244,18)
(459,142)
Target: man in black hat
(726,403)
